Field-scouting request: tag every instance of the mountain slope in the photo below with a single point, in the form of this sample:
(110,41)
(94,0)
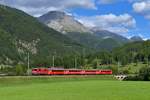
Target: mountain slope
(86,39)
(76,31)
(104,34)
(94,41)
(109,44)
(136,38)
(62,22)
(21,33)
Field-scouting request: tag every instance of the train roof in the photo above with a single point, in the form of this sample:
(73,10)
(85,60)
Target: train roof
(69,69)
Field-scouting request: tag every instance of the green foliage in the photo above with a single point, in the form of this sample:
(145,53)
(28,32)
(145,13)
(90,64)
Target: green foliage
(133,78)
(144,73)
(114,70)
(20,70)
(126,71)
(133,53)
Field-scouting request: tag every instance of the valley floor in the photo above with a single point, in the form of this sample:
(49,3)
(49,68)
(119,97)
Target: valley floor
(58,88)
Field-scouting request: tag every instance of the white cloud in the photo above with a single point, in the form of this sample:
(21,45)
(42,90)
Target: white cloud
(106,1)
(114,1)
(142,8)
(38,7)
(119,24)
(137,0)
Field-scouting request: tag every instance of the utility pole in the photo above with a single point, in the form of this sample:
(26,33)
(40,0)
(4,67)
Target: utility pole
(147,55)
(28,63)
(118,66)
(147,60)
(83,51)
(55,53)
(83,55)
(75,62)
(97,64)
(53,60)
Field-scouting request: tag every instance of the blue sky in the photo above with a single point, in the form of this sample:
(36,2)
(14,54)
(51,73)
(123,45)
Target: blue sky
(142,28)
(124,17)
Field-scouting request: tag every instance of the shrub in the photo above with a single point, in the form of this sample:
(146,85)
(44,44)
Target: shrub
(132,78)
(126,71)
(144,73)
(20,70)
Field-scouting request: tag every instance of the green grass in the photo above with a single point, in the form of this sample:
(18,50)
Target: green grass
(60,88)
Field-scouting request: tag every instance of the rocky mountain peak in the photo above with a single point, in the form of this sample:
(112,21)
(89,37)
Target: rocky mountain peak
(62,22)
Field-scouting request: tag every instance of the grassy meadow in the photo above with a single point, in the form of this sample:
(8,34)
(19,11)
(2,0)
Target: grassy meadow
(72,88)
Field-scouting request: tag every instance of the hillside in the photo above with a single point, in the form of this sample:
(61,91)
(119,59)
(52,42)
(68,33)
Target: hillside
(136,38)
(104,34)
(21,33)
(133,52)
(94,41)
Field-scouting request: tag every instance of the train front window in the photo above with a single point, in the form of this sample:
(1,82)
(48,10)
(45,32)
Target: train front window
(74,71)
(105,71)
(45,69)
(57,70)
(90,71)
(34,70)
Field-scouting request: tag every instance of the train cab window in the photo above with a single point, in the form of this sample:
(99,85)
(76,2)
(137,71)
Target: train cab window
(105,71)
(74,71)
(57,70)
(45,69)
(102,71)
(90,71)
(34,69)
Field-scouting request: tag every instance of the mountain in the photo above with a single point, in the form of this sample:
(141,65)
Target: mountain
(104,34)
(21,33)
(136,38)
(97,41)
(86,39)
(92,38)
(62,22)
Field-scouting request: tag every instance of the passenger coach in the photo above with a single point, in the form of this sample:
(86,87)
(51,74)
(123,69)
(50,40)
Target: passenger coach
(48,71)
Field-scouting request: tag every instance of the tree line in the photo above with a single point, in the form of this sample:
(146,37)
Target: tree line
(129,53)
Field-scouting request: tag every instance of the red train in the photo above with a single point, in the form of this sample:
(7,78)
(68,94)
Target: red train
(48,71)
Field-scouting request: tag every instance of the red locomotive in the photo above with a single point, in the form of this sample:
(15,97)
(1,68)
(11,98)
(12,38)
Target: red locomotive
(49,71)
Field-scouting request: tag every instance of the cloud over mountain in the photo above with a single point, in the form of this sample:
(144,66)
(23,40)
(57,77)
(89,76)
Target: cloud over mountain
(38,7)
(119,24)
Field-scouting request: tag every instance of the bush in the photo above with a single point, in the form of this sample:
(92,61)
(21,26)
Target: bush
(114,70)
(132,78)
(126,71)
(144,73)
(20,70)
